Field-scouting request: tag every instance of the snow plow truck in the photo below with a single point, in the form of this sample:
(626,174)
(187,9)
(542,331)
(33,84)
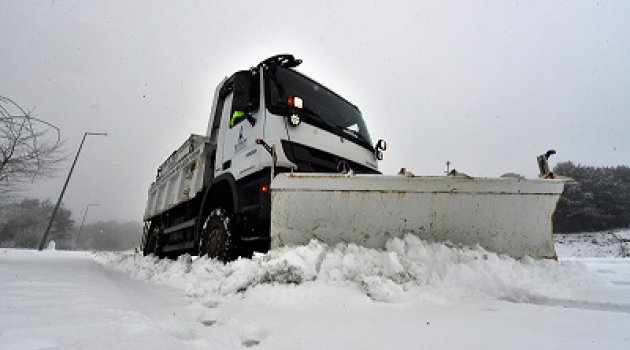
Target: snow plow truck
(286,160)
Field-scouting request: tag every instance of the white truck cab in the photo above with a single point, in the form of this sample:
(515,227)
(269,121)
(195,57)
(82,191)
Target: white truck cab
(311,128)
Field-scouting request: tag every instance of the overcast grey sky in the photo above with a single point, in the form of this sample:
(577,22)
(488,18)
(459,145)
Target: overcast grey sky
(487,85)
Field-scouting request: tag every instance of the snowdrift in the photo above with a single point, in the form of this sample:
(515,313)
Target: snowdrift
(407,269)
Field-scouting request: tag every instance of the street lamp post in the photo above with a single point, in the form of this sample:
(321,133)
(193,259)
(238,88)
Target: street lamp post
(63,190)
(87,207)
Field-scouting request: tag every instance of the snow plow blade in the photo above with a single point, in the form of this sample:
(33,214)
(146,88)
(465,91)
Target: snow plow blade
(504,215)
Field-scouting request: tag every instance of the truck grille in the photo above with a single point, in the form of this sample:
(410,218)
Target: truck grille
(311,160)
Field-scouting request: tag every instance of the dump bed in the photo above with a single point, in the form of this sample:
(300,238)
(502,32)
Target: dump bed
(179,178)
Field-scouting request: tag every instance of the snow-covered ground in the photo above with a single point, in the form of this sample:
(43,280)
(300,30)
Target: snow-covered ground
(607,244)
(414,295)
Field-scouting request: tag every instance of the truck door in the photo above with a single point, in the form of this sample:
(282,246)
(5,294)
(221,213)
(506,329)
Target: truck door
(237,143)
(220,166)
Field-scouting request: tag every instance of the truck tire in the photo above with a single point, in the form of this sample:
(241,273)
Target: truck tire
(218,239)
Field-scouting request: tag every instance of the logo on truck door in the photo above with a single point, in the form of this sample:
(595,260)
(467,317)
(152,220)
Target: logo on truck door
(242,141)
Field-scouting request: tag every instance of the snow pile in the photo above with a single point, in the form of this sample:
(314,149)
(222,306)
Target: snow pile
(605,244)
(407,268)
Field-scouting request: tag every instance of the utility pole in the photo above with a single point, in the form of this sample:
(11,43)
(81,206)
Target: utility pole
(87,207)
(63,190)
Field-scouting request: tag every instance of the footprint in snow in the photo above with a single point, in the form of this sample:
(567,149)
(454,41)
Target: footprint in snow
(248,343)
(208,323)
(252,335)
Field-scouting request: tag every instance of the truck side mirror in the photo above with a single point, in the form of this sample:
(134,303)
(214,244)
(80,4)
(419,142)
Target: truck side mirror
(381,145)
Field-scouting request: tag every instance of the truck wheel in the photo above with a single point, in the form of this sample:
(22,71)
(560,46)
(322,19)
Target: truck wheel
(217,236)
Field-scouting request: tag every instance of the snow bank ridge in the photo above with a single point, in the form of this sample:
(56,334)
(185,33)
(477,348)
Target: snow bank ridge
(408,267)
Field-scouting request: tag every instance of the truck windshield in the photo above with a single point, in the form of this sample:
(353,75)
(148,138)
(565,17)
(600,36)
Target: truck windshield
(321,106)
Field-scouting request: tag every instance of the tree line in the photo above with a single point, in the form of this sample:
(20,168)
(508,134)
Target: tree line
(599,200)
(22,225)
(109,235)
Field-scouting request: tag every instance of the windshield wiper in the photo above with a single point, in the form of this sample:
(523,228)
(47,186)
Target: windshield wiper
(356,134)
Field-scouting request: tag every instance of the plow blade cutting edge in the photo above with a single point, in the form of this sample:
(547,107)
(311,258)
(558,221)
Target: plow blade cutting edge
(503,215)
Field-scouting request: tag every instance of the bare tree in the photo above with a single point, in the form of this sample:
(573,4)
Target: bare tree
(30,148)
